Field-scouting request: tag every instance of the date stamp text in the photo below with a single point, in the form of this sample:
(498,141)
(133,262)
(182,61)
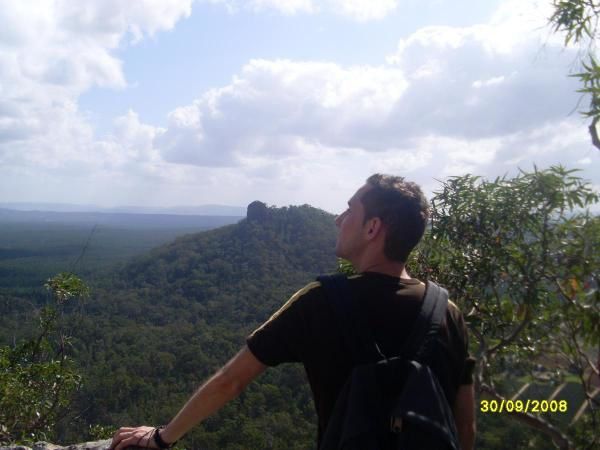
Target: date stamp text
(525,406)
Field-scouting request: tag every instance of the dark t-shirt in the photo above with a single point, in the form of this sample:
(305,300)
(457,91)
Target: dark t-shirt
(306,330)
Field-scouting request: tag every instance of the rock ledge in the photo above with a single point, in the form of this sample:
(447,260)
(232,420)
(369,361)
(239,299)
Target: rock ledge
(96,445)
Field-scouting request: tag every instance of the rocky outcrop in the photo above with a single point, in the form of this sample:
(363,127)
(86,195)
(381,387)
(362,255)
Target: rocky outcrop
(257,211)
(96,445)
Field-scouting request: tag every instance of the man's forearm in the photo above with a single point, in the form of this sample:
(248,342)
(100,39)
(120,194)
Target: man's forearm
(225,385)
(209,398)
(464,415)
(222,387)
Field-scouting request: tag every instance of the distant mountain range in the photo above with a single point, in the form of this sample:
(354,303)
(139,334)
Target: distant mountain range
(117,220)
(199,210)
(197,217)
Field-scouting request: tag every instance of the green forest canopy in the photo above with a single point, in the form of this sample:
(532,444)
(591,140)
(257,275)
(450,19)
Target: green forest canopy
(517,254)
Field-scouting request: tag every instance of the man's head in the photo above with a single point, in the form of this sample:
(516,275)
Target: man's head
(388,204)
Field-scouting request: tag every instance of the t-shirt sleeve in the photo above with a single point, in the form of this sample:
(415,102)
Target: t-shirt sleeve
(466,376)
(282,338)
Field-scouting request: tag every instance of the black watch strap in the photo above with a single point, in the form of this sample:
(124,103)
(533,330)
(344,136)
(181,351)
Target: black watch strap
(159,441)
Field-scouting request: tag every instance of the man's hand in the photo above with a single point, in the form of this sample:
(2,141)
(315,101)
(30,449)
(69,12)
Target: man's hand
(133,437)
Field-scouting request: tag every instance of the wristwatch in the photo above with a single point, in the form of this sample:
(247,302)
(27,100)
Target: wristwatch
(159,441)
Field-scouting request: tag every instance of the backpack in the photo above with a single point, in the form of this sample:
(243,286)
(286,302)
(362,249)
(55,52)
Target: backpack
(389,403)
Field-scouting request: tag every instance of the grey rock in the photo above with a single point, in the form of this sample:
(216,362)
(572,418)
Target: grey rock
(257,211)
(95,445)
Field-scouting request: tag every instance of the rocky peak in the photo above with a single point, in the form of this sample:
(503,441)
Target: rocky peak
(257,211)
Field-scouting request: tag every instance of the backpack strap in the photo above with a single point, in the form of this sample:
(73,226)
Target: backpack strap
(433,312)
(357,334)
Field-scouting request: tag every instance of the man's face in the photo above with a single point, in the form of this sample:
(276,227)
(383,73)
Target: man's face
(351,239)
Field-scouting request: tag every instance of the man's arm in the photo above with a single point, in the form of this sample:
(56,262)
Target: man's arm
(464,416)
(222,387)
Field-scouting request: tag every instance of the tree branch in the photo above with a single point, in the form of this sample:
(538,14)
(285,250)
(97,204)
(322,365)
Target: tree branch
(482,358)
(564,294)
(594,132)
(512,337)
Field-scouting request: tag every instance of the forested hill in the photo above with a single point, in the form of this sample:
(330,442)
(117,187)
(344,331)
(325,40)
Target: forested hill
(170,318)
(239,272)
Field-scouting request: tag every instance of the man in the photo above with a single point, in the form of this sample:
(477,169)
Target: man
(384,221)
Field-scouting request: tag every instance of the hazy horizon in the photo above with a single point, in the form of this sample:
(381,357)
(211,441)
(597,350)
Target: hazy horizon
(208,209)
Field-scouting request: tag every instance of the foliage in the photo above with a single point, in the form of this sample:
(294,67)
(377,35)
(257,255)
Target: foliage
(578,19)
(345,266)
(520,256)
(65,286)
(37,376)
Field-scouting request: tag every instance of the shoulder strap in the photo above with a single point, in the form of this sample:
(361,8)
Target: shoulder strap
(428,322)
(357,335)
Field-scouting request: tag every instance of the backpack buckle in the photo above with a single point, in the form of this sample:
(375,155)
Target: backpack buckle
(395,424)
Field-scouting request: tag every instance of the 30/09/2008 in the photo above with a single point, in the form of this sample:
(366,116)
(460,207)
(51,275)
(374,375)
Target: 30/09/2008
(532,406)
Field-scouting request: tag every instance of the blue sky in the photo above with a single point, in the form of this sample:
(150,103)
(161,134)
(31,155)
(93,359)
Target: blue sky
(182,102)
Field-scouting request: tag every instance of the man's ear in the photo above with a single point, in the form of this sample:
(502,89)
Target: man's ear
(374,226)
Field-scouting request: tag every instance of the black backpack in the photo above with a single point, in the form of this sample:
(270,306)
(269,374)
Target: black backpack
(389,403)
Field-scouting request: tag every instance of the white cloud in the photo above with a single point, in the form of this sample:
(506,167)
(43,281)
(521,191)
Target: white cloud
(484,80)
(274,107)
(135,139)
(364,10)
(108,21)
(454,84)
(489,82)
(546,144)
(286,7)
(358,10)
(51,52)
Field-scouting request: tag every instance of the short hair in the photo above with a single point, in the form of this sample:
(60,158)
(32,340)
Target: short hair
(402,208)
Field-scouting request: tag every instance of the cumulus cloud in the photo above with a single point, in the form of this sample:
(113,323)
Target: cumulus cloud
(274,107)
(364,10)
(358,10)
(483,99)
(473,83)
(51,52)
(135,140)
(287,7)
(483,80)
